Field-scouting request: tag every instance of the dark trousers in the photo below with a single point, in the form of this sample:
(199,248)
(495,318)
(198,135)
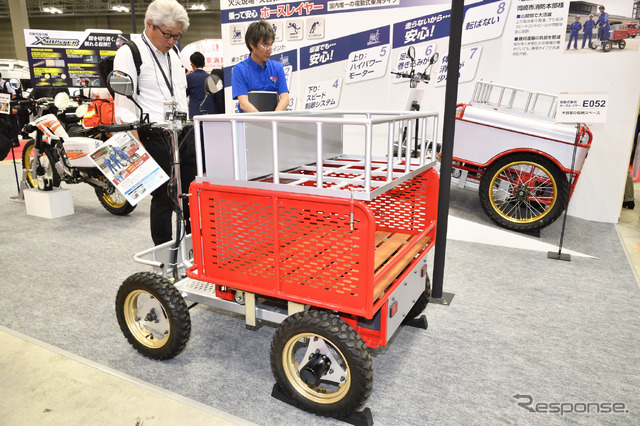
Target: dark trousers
(157,142)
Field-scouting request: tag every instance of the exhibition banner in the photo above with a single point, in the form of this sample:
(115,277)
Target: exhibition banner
(211,49)
(345,55)
(68,58)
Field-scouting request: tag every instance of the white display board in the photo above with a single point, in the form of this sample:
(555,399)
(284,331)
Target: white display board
(347,51)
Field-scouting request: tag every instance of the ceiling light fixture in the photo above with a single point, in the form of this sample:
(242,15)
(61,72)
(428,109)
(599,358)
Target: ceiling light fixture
(118,8)
(52,10)
(198,7)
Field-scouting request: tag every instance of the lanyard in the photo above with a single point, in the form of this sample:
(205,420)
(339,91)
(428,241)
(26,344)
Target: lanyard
(168,81)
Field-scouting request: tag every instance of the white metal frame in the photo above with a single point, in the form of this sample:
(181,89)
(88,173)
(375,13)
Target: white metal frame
(392,169)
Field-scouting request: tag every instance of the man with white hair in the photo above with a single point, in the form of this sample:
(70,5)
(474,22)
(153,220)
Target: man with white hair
(159,85)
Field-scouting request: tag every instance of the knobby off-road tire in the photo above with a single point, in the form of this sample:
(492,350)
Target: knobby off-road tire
(45,159)
(421,303)
(112,200)
(153,316)
(524,192)
(347,382)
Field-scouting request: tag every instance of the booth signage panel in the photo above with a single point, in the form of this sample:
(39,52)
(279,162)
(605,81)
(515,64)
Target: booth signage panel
(67,58)
(582,108)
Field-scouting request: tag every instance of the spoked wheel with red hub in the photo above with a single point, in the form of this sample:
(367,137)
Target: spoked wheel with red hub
(524,192)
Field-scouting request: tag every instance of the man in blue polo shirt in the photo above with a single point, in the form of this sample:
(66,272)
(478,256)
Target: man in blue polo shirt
(258,72)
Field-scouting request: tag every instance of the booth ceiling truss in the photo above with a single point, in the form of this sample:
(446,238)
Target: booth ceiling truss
(42,8)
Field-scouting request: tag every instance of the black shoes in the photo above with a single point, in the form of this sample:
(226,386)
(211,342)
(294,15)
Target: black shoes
(628,205)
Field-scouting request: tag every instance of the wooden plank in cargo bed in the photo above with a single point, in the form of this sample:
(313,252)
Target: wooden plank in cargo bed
(388,247)
(399,263)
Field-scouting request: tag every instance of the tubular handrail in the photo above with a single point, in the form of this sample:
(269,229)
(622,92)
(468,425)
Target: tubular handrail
(365,171)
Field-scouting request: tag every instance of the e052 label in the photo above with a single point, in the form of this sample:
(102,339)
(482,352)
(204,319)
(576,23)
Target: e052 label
(594,103)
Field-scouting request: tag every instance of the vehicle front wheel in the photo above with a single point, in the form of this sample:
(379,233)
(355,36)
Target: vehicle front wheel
(524,192)
(153,316)
(112,200)
(322,364)
(44,165)
(606,46)
(622,44)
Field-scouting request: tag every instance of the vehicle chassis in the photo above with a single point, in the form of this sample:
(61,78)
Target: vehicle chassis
(287,228)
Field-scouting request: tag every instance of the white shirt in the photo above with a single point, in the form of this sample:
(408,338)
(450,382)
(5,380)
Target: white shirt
(153,88)
(7,86)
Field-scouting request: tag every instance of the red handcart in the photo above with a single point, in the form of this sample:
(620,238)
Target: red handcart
(309,221)
(618,35)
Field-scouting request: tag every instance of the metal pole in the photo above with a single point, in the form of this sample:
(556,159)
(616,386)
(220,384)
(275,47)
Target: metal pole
(448,130)
(133,17)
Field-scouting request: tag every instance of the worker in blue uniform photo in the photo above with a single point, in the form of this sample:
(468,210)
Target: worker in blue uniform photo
(258,72)
(588,31)
(575,32)
(603,23)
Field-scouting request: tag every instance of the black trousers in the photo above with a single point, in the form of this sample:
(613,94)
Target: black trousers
(157,142)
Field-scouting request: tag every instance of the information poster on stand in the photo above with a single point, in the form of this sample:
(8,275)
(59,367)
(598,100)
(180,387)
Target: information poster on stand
(68,58)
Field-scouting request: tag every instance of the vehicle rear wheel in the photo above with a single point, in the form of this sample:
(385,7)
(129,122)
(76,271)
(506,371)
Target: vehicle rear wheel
(524,192)
(153,316)
(622,44)
(112,200)
(44,165)
(321,364)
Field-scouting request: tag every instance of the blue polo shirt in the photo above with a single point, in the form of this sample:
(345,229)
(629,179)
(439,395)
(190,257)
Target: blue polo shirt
(248,76)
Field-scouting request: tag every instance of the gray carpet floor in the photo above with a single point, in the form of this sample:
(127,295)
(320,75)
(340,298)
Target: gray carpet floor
(524,338)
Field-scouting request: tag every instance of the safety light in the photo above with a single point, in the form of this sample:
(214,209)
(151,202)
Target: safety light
(393,309)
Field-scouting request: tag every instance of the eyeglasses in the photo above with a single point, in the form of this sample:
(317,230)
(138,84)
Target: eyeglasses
(168,35)
(267,48)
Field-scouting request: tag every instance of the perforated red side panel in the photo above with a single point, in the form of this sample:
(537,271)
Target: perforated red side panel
(322,257)
(409,206)
(297,247)
(238,238)
(310,249)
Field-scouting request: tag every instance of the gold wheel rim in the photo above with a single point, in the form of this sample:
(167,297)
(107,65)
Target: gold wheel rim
(115,199)
(150,338)
(312,393)
(28,156)
(550,182)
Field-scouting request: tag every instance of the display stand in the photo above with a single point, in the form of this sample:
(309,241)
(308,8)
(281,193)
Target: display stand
(445,299)
(359,418)
(559,255)
(48,204)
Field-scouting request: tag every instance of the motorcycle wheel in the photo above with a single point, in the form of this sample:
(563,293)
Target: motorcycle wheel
(321,364)
(45,160)
(112,200)
(524,192)
(153,316)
